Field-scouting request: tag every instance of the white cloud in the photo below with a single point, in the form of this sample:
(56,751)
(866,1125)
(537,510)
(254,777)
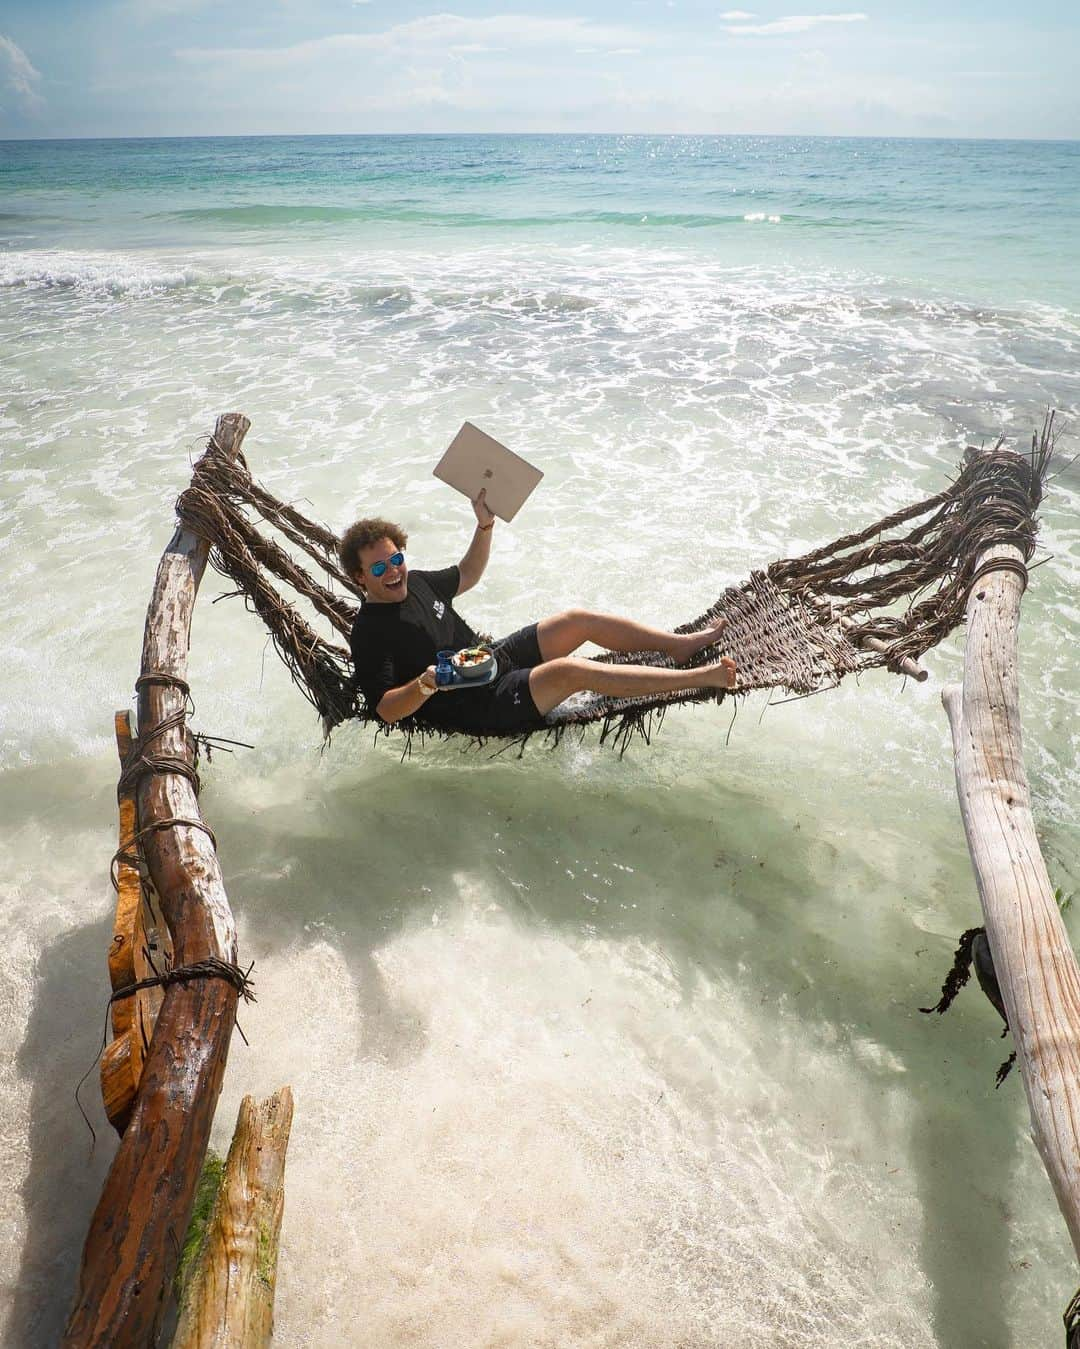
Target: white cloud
(735,15)
(19,77)
(794,23)
(432,34)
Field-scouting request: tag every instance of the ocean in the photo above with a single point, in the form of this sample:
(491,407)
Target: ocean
(587,1050)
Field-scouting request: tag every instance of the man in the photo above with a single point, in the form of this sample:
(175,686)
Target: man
(408,616)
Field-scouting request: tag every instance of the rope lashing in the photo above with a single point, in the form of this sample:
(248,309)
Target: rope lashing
(160,677)
(138,762)
(134,859)
(210,968)
(1000,564)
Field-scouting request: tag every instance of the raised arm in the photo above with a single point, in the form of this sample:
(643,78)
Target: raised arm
(476,556)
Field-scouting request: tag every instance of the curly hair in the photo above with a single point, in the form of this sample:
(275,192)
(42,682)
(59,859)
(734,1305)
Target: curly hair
(362,535)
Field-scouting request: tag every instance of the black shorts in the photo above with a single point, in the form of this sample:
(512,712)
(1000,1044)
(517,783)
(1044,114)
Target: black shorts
(504,707)
(519,651)
(511,705)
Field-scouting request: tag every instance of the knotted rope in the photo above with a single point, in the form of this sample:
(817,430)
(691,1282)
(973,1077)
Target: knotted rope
(134,859)
(138,762)
(209,968)
(999,564)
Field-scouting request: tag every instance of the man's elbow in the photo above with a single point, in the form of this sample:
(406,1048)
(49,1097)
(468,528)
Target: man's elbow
(384,712)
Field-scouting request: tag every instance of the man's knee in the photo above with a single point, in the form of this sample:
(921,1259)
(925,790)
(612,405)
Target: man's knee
(555,680)
(572,618)
(564,667)
(562,633)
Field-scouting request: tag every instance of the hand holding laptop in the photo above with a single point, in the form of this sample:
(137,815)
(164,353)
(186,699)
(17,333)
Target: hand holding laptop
(485,516)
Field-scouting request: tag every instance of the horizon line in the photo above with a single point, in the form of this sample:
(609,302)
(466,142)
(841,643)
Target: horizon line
(450,135)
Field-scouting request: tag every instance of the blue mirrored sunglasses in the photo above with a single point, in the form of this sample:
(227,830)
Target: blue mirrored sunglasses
(394,560)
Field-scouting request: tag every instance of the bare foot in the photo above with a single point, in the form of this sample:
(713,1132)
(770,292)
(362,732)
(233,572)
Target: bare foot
(693,642)
(722,675)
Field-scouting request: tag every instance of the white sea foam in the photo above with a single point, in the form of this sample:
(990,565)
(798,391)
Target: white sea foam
(107,273)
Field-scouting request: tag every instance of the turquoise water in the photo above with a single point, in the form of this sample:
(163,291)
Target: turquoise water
(991,219)
(586,1051)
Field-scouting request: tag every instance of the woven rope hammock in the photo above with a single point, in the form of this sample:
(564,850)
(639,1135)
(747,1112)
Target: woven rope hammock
(880,597)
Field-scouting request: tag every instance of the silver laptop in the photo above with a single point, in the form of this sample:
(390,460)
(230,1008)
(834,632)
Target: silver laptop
(475,460)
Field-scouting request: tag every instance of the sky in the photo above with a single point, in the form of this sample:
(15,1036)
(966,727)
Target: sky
(265,67)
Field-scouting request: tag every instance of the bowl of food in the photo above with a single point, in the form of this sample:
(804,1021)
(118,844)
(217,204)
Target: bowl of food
(474,662)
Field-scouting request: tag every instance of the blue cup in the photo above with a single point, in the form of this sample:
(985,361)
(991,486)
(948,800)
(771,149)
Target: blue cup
(444,671)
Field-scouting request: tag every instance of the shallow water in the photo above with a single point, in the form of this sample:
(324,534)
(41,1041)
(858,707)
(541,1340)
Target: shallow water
(586,1050)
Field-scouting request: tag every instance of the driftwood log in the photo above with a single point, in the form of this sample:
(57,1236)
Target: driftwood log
(228,1302)
(135,1234)
(1033,958)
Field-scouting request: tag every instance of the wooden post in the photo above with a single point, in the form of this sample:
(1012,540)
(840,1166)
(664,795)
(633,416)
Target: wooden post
(229,1300)
(134,1239)
(141,946)
(1035,964)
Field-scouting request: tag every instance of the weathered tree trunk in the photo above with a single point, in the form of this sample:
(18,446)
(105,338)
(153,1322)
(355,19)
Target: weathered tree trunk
(1034,961)
(229,1300)
(135,1234)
